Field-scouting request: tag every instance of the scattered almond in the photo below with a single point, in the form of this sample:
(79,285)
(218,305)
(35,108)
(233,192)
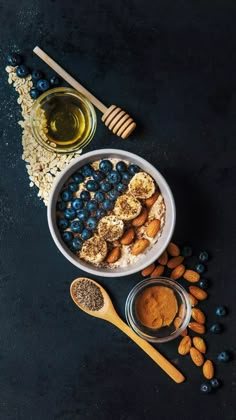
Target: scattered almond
(192,276)
(185,345)
(163,259)
(193,300)
(150,201)
(200,344)
(184,332)
(208,369)
(153,227)
(196,356)
(198,315)
(139,246)
(114,255)
(198,328)
(173,249)
(177,272)
(159,270)
(148,270)
(128,237)
(141,218)
(175,261)
(198,293)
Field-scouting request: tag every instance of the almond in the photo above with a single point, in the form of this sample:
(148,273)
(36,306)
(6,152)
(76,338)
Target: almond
(198,316)
(177,272)
(114,255)
(185,345)
(200,344)
(208,369)
(163,259)
(178,322)
(175,261)
(198,293)
(148,270)
(198,328)
(128,237)
(196,357)
(153,227)
(150,201)
(192,276)
(181,311)
(173,249)
(141,219)
(139,246)
(159,270)
(184,332)
(193,300)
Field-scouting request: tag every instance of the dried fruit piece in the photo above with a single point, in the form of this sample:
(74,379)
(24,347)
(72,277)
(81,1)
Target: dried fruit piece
(198,293)
(196,357)
(148,270)
(175,261)
(139,246)
(163,259)
(193,300)
(141,218)
(198,328)
(173,249)
(200,344)
(159,270)
(114,255)
(153,228)
(192,276)
(185,345)
(128,237)
(208,369)
(150,201)
(198,315)
(177,272)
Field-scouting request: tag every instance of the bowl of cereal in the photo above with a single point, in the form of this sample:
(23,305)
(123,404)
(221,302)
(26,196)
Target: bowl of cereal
(111,213)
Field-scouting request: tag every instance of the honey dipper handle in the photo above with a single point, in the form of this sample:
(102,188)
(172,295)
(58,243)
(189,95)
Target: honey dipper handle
(164,364)
(69,79)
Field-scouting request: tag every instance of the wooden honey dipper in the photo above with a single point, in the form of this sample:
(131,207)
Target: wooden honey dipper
(117,120)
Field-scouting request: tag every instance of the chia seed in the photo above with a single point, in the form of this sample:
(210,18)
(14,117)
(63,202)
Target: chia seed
(88,294)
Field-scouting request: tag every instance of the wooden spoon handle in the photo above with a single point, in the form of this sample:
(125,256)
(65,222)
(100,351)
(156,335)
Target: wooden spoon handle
(164,364)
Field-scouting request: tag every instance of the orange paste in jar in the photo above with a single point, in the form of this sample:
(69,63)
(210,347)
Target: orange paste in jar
(156,306)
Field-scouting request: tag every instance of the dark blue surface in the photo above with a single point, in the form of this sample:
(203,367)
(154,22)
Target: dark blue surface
(172,66)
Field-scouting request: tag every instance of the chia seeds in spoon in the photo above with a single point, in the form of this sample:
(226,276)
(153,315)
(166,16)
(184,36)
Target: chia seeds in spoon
(88,294)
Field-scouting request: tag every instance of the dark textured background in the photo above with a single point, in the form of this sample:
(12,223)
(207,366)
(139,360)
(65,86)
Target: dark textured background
(172,65)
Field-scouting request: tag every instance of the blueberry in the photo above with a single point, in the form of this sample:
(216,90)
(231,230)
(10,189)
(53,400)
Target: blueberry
(114,177)
(224,356)
(92,185)
(221,311)
(105,186)
(121,166)
(76,244)
(105,166)
(108,204)
(43,85)
(206,388)
(203,256)
(99,196)
(85,195)
(70,213)
(83,215)
(55,81)
(186,251)
(34,93)
(113,194)
(36,75)
(66,195)
(61,205)
(215,383)
(87,170)
(22,71)
(98,176)
(126,178)
(121,187)
(92,223)
(73,187)
(216,328)
(200,268)
(133,169)
(62,224)
(92,205)
(76,226)
(100,213)
(86,234)
(78,177)
(14,59)
(203,283)
(77,204)
(67,236)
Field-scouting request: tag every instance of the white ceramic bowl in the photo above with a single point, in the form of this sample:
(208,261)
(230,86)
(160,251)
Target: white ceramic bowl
(153,253)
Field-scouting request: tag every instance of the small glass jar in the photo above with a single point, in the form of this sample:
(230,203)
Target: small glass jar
(165,333)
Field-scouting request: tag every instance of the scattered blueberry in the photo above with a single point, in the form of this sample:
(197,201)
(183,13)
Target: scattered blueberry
(121,166)
(76,244)
(126,178)
(62,224)
(92,185)
(215,383)
(22,71)
(206,388)
(200,268)
(133,169)
(99,196)
(61,205)
(87,170)
(85,195)
(203,283)
(77,177)
(36,75)
(203,256)
(216,328)
(92,223)
(101,213)
(121,187)
(221,311)
(224,356)
(83,215)
(186,251)
(67,236)
(114,177)
(14,59)
(55,81)
(86,234)
(34,93)
(70,213)
(77,204)
(43,85)
(105,166)
(98,176)
(76,226)
(113,194)
(92,205)
(66,195)
(105,186)
(73,187)
(108,204)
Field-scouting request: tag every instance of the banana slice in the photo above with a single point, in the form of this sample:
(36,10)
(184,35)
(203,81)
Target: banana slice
(127,207)
(94,250)
(110,228)
(142,185)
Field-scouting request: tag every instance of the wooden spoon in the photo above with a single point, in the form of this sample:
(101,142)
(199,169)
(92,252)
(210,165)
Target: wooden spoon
(117,120)
(108,313)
